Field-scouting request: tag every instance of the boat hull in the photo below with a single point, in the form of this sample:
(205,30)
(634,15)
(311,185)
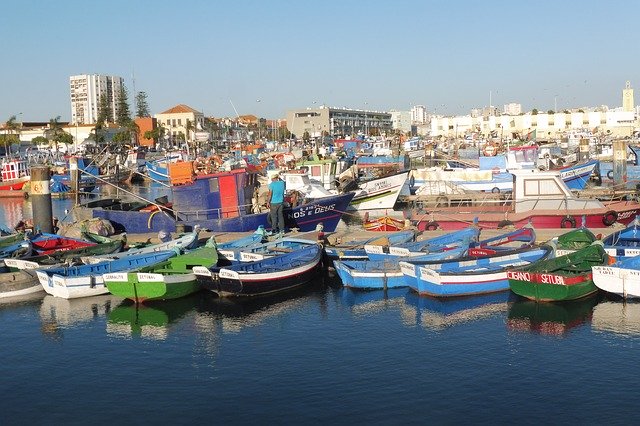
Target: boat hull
(306,217)
(16,284)
(269,280)
(452,221)
(539,290)
(624,282)
(72,287)
(141,287)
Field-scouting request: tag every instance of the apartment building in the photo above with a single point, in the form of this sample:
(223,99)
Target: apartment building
(86,91)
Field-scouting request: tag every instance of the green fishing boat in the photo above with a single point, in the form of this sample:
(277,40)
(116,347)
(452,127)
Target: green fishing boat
(562,278)
(573,240)
(171,279)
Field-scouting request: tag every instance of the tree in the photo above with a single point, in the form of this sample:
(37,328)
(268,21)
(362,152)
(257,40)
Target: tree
(123,115)
(55,133)
(142,106)
(534,111)
(550,112)
(105,114)
(12,126)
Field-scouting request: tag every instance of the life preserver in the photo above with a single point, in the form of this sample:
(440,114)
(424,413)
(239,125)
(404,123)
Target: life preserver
(610,174)
(432,226)
(609,218)
(442,201)
(489,150)
(568,222)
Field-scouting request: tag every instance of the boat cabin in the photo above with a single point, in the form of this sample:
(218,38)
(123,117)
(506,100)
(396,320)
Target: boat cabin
(14,169)
(546,191)
(216,196)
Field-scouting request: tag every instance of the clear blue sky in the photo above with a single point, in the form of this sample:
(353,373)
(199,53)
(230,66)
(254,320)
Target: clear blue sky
(269,56)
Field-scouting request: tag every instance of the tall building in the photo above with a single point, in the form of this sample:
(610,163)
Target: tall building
(419,114)
(628,103)
(86,90)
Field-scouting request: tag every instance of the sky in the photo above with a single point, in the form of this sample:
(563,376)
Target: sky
(265,57)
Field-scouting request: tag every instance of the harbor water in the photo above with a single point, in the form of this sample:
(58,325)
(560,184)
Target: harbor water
(321,354)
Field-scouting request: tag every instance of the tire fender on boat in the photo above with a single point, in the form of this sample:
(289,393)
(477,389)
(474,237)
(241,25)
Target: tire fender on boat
(610,174)
(504,224)
(568,222)
(432,226)
(609,218)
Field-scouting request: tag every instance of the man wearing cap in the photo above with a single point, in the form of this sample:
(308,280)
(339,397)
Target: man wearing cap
(275,204)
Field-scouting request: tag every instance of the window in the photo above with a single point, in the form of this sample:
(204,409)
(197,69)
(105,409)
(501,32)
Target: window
(179,122)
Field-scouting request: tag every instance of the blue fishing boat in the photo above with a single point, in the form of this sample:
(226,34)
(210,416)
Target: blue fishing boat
(386,273)
(624,243)
(469,275)
(220,202)
(86,280)
(354,249)
(87,180)
(271,274)
(632,167)
(272,248)
(463,237)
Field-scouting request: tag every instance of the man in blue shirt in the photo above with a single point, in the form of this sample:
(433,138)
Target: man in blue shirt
(275,204)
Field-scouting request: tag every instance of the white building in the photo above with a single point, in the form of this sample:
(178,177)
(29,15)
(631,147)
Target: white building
(181,121)
(512,109)
(419,114)
(547,126)
(86,90)
(401,120)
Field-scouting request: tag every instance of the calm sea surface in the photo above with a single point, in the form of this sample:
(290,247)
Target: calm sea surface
(319,355)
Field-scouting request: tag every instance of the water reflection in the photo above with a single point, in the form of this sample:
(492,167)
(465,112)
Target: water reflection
(438,314)
(232,315)
(618,316)
(150,320)
(57,313)
(550,318)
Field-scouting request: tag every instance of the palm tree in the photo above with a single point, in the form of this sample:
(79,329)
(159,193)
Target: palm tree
(54,132)
(13,126)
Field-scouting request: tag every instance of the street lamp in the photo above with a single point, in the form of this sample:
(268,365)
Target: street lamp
(365,120)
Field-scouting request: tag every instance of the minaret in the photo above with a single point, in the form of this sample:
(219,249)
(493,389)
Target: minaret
(627,98)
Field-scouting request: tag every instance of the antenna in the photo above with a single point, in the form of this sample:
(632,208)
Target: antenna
(135,95)
(234,108)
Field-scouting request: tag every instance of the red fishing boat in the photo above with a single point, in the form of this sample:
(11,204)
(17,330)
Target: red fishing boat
(14,174)
(541,199)
(384,224)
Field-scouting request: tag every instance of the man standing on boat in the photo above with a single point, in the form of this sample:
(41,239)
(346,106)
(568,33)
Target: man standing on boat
(276,204)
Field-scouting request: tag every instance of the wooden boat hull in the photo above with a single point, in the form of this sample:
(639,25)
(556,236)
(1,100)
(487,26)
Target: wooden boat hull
(379,193)
(281,275)
(14,184)
(383,274)
(558,291)
(481,276)
(567,277)
(144,286)
(355,249)
(87,280)
(621,278)
(468,275)
(17,284)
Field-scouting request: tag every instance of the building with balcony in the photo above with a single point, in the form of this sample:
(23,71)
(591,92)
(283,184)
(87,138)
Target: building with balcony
(338,122)
(86,91)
